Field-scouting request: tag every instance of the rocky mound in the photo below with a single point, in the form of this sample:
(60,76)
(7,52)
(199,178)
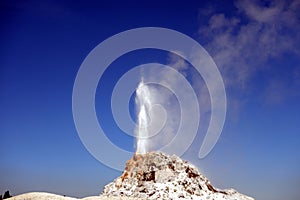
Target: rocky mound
(159,176)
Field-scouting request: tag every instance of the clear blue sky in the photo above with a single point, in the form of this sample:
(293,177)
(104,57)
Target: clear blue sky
(255,44)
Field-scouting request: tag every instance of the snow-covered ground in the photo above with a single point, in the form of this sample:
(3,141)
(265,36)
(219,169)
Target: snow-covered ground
(49,196)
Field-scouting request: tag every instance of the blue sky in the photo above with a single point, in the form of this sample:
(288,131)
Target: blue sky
(255,44)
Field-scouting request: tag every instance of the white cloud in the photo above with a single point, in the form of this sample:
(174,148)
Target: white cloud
(242,44)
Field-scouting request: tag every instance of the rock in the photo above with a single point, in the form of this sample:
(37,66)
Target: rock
(155,175)
(6,195)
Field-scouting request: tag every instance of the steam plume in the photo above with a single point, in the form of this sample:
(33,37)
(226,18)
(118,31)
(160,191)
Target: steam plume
(143,103)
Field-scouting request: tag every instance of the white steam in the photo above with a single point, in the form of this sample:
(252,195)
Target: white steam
(143,101)
(166,108)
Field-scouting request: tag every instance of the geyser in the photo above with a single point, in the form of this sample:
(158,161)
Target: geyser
(143,104)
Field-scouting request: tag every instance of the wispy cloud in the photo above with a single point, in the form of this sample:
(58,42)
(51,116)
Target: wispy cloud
(244,42)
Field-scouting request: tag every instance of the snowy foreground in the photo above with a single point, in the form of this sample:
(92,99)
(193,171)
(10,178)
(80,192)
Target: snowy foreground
(159,176)
(48,196)
(154,176)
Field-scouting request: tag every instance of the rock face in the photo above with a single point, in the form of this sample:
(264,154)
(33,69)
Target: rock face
(158,176)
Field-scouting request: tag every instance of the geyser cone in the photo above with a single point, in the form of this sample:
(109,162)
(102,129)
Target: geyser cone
(155,175)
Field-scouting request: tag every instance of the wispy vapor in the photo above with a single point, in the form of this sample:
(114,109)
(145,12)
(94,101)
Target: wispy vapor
(182,104)
(241,44)
(162,134)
